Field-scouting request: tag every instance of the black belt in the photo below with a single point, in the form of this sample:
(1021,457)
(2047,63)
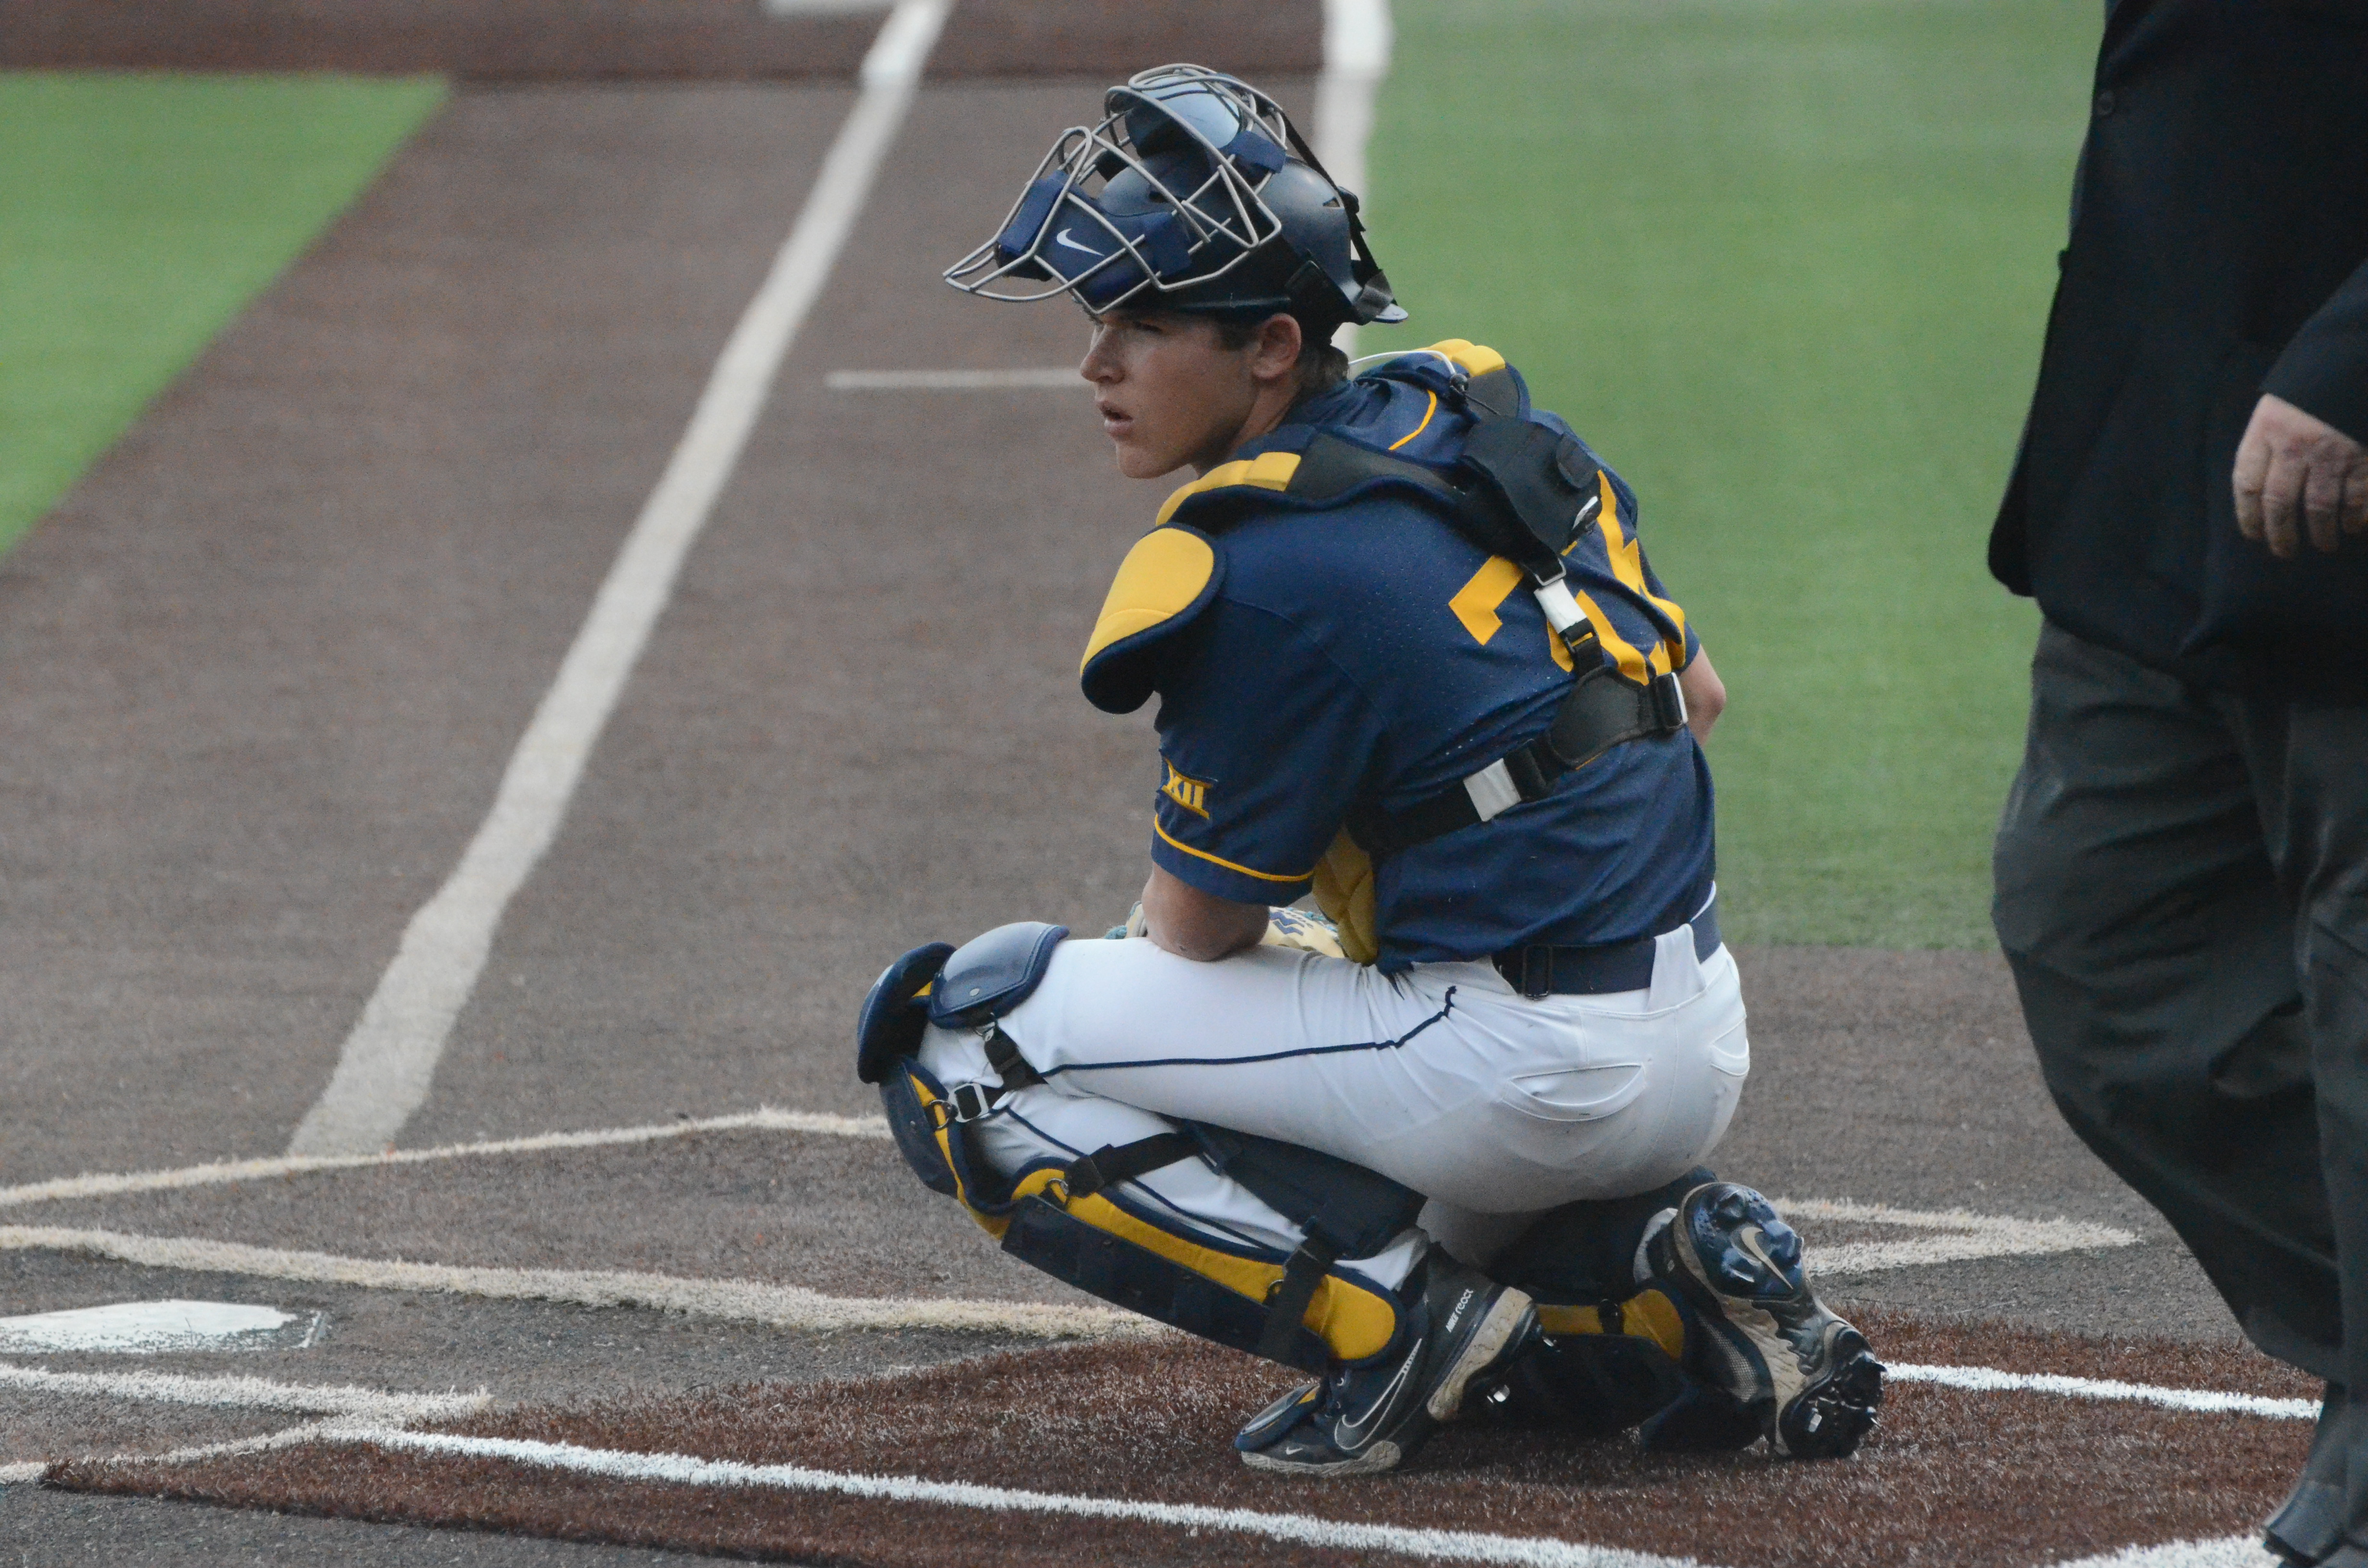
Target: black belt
(1543,969)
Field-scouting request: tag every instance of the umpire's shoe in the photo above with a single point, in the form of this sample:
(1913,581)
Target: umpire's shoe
(1458,1326)
(1806,1376)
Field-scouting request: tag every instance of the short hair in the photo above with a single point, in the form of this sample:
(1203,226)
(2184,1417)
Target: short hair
(1321,366)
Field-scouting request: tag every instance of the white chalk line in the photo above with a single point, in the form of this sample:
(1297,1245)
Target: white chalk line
(1966,1235)
(1062,378)
(732,1300)
(225,1172)
(2227,1551)
(1357,38)
(389,1059)
(247,1393)
(349,1409)
(684,1470)
(1989,1380)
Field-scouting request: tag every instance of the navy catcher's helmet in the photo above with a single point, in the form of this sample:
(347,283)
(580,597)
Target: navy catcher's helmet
(1195,193)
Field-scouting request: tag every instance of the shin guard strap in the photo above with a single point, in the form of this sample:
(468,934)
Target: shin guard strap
(1287,1304)
(1115,1163)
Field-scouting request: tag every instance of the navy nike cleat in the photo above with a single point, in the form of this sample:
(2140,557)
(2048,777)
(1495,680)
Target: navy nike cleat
(1458,1327)
(1807,1378)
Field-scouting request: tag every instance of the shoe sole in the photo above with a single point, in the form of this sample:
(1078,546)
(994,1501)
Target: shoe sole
(1510,1317)
(1827,1418)
(1381,1458)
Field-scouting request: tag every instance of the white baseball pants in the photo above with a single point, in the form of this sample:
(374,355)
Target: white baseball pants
(1442,1078)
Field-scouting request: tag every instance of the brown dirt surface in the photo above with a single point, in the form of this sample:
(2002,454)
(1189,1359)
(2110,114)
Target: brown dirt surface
(831,1213)
(580,40)
(1964,1478)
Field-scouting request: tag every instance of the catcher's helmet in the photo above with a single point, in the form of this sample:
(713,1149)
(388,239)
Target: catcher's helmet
(1195,192)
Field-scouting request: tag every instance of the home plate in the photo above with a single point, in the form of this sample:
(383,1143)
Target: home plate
(148,1327)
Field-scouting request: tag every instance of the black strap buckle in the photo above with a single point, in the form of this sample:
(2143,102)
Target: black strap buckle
(972,1101)
(1666,702)
(1537,970)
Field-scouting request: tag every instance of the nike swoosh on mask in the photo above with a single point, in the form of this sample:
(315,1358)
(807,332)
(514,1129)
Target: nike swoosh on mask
(1061,238)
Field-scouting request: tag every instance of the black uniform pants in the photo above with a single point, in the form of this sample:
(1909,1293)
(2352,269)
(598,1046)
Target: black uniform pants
(2182,894)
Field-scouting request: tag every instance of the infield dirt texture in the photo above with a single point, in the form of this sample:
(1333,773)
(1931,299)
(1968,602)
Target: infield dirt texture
(263,670)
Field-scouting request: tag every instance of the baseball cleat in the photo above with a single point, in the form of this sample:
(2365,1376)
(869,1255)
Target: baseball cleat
(1807,1378)
(1459,1327)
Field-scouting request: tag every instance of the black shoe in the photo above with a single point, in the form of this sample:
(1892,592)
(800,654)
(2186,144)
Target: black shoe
(2309,1526)
(1806,1376)
(1457,1326)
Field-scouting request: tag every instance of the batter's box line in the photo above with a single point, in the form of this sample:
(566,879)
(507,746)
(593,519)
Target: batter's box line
(1290,1528)
(222,1172)
(1962,1236)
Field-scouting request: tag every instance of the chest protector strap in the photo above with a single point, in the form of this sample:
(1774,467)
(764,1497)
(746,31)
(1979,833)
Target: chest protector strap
(1523,492)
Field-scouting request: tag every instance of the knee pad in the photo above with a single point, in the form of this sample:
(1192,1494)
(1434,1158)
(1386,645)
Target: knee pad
(965,987)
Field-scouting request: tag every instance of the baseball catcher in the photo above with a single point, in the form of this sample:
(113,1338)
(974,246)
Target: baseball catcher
(1441,1148)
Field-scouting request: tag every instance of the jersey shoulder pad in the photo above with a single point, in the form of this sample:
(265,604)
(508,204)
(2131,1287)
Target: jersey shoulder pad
(1269,473)
(1163,583)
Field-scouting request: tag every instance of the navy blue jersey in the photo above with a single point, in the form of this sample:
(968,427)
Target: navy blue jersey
(1309,658)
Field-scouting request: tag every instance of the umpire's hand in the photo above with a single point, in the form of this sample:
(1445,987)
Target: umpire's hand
(2293,470)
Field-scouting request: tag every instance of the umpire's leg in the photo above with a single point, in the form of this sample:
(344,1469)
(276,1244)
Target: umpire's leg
(2154,948)
(2310,764)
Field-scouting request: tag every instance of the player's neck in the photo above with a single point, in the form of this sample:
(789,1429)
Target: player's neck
(1267,411)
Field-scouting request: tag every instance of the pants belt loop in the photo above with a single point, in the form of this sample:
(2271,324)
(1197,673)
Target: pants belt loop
(1537,972)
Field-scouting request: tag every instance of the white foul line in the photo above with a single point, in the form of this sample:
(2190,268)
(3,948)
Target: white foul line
(1062,378)
(735,1301)
(389,1059)
(1965,1237)
(221,1172)
(247,1393)
(683,1470)
(2226,1551)
(1989,1380)
(1356,38)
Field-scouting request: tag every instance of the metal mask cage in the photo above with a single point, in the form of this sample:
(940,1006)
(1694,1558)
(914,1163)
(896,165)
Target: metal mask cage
(1178,108)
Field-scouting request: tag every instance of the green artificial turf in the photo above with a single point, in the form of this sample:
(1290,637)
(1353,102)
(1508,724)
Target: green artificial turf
(138,215)
(1785,264)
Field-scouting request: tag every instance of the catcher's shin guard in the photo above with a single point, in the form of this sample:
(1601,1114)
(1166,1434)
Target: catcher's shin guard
(1765,1344)
(1070,1219)
(1593,1371)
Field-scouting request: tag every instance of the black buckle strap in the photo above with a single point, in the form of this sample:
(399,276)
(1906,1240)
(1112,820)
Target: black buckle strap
(1604,709)
(1286,1301)
(972,1101)
(1115,1163)
(1003,1055)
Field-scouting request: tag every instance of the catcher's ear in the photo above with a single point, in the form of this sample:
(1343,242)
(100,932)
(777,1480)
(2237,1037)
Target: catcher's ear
(1274,353)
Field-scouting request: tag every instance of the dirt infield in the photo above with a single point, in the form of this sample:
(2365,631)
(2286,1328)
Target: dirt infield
(645,39)
(1961,1478)
(268,663)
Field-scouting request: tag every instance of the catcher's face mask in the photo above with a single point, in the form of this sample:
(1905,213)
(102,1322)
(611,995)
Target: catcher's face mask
(1194,192)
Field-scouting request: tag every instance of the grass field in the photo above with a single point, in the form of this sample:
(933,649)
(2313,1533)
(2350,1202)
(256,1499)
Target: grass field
(1785,264)
(141,213)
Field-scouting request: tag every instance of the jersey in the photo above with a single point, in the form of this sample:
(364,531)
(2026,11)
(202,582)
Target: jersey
(1309,659)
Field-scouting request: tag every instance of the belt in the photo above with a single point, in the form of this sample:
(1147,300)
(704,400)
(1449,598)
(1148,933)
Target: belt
(1543,969)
